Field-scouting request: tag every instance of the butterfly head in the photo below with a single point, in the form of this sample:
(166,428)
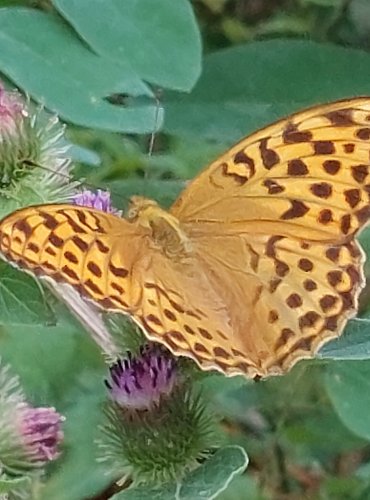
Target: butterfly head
(165,228)
(139,206)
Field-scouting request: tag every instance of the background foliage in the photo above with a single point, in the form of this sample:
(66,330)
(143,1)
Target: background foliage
(103,66)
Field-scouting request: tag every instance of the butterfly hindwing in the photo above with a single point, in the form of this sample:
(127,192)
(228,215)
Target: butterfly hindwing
(284,303)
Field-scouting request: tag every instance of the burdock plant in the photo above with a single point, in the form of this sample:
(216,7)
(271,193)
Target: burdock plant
(157,429)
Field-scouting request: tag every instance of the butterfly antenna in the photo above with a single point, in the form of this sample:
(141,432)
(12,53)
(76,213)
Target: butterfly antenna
(31,163)
(153,135)
(156,123)
(79,182)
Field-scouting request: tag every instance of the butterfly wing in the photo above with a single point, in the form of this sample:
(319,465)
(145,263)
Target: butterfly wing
(307,172)
(114,263)
(274,271)
(92,251)
(273,223)
(285,297)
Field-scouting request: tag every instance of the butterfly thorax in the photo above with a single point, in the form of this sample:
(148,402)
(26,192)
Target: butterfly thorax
(166,231)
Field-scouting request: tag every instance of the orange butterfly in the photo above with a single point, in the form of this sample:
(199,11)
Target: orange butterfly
(254,267)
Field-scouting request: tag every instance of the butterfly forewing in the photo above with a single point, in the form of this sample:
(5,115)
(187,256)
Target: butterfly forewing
(92,251)
(305,176)
(112,262)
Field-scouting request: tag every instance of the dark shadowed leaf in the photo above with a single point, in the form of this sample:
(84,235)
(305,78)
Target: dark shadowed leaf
(246,87)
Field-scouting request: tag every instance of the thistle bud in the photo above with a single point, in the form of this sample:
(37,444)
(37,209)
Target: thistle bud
(12,112)
(29,437)
(34,167)
(156,428)
(40,429)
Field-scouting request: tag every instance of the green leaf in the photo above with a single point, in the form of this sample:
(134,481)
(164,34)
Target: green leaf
(247,87)
(21,299)
(241,487)
(364,239)
(158,38)
(48,358)
(354,343)
(284,23)
(84,155)
(363,472)
(214,384)
(348,386)
(41,55)
(321,433)
(62,53)
(204,483)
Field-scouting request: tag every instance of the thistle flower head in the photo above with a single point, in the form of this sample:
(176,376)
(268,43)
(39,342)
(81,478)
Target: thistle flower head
(11,112)
(29,437)
(101,200)
(139,383)
(34,167)
(41,433)
(156,428)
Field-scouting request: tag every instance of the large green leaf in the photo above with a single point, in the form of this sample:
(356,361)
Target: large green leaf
(359,13)
(159,38)
(246,87)
(354,343)
(348,385)
(21,299)
(204,483)
(48,357)
(42,56)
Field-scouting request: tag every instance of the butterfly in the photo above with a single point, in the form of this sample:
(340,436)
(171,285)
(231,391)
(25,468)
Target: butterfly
(255,265)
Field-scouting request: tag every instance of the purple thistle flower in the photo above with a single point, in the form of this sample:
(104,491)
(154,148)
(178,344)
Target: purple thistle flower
(41,433)
(101,200)
(12,110)
(139,383)
(29,437)
(156,427)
